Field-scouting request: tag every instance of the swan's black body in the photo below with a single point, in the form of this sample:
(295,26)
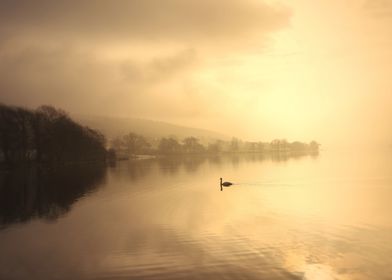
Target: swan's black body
(224,184)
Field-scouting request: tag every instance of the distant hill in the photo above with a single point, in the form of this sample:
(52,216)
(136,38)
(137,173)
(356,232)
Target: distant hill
(113,127)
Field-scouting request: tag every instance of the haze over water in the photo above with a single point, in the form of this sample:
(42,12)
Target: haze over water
(234,85)
(325,217)
(253,69)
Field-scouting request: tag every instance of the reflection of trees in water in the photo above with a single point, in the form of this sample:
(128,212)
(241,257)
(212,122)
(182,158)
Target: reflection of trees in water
(35,193)
(215,160)
(279,156)
(172,164)
(133,169)
(192,164)
(237,159)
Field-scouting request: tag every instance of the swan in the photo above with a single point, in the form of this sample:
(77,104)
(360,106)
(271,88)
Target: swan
(224,184)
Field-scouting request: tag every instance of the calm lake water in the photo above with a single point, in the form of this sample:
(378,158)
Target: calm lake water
(318,218)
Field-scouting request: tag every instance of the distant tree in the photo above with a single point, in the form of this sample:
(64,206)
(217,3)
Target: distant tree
(216,147)
(314,146)
(169,146)
(260,147)
(275,145)
(136,144)
(118,144)
(250,147)
(279,145)
(298,146)
(234,145)
(192,145)
(284,145)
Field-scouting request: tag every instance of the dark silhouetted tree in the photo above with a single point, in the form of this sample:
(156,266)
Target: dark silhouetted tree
(46,135)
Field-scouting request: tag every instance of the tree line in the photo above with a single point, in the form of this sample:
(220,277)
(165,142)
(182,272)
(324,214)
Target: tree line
(133,144)
(46,135)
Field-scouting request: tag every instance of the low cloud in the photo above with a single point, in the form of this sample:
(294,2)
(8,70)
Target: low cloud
(131,58)
(158,68)
(165,20)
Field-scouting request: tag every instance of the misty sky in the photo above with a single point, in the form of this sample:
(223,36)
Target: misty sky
(257,69)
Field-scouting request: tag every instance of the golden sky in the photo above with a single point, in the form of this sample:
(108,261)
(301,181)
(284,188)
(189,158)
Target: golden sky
(256,69)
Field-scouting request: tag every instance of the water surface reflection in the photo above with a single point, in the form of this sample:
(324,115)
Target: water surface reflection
(34,192)
(296,218)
